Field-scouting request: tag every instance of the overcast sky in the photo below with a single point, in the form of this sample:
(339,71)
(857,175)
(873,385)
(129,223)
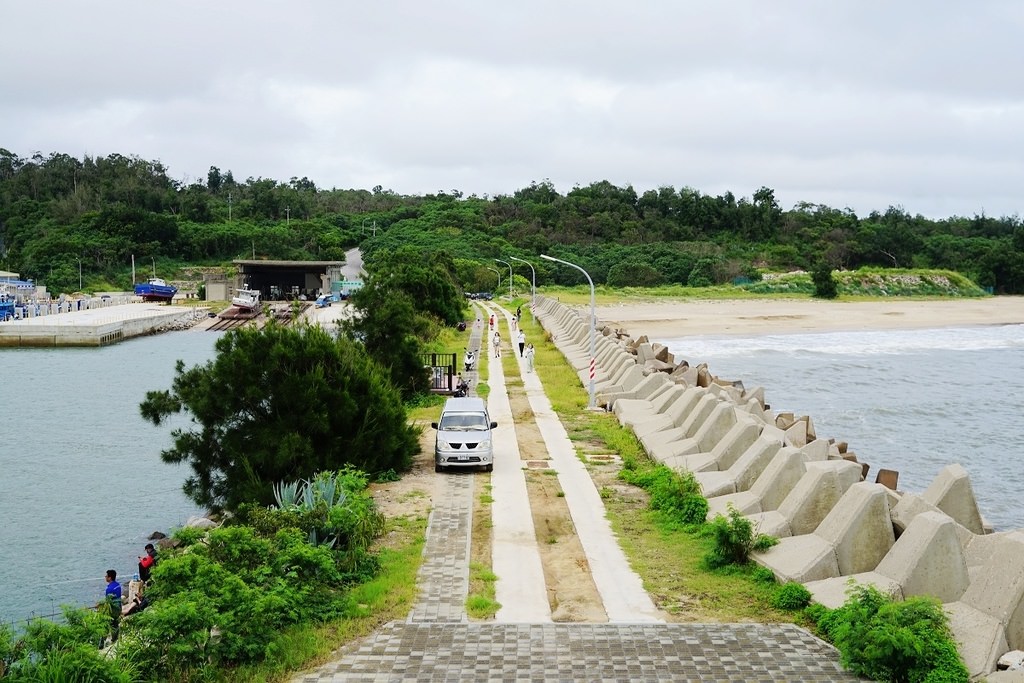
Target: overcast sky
(856,103)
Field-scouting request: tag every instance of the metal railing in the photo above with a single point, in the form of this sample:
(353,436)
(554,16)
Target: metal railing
(441,369)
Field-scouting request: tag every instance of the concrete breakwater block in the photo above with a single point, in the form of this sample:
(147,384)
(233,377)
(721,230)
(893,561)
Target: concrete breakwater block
(769,490)
(854,537)
(951,492)
(926,560)
(725,451)
(813,497)
(744,472)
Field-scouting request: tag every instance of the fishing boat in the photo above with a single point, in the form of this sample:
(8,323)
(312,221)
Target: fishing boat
(155,290)
(248,299)
(6,306)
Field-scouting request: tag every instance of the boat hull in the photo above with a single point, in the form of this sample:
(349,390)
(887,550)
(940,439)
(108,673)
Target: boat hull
(155,290)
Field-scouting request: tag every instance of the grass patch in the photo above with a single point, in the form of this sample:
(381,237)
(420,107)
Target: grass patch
(480,603)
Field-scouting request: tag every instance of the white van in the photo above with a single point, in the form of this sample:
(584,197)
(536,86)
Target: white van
(464,437)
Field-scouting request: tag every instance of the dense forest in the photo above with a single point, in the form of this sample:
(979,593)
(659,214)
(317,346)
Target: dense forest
(61,217)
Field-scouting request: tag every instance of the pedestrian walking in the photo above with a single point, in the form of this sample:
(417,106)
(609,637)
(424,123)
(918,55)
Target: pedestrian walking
(528,355)
(521,340)
(492,321)
(496,343)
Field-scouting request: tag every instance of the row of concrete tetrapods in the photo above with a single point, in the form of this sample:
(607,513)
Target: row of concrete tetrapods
(834,527)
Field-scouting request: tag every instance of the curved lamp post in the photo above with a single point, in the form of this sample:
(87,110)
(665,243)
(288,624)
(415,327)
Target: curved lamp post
(509,275)
(533,282)
(495,270)
(593,324)
(79,273)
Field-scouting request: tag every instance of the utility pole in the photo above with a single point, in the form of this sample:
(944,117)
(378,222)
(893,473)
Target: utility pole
(229,207)
(287,216)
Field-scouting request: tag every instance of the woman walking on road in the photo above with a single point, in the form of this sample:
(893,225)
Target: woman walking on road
(496,343)
(521,340)
(528,355)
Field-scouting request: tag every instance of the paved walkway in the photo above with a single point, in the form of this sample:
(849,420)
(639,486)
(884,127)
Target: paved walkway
(437,643)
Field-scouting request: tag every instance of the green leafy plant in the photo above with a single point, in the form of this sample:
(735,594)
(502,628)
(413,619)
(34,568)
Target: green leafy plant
(734,539)
(49,651)
(762,575)
(188,535)
(674,494)
(825,286)
(888,640)
(791,596)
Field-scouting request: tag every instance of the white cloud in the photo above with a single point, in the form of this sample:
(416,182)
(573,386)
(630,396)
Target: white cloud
(864,103)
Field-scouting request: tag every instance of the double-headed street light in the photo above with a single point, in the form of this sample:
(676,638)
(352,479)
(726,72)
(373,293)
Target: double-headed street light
(593,325)
(533,282)
(509,275)
(79,274)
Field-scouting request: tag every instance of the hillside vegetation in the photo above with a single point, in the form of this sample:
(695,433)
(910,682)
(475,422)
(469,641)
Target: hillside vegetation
(60,214)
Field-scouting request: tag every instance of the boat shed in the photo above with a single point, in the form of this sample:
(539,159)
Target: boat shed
(287,280)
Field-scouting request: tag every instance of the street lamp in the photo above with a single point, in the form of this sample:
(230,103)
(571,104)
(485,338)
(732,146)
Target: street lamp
(533,283)
(495,270)
(593,324)
(79,273)
(509,275)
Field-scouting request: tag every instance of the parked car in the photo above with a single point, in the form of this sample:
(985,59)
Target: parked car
(323,301)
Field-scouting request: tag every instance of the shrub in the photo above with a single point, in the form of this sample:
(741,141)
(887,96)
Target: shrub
(734,539)
(889,640)
(674,494)
(48,651)
(188,535)
(791,596)
(825,286)
(762,575)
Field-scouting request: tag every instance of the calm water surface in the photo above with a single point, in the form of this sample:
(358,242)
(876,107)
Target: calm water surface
(81,480)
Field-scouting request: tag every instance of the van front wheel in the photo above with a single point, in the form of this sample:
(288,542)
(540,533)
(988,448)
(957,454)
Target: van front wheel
(489,467)
(438,468)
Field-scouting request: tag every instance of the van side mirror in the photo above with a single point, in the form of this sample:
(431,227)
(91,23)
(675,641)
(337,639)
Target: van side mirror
(433,425)
(494,425)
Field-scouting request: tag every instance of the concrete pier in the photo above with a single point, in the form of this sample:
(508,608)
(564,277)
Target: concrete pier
(92,327)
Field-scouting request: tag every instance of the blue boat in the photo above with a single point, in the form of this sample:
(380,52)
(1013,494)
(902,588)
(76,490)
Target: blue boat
(155,290)
(6,306)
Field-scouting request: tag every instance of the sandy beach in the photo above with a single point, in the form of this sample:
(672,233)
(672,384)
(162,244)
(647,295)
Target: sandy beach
(679,318)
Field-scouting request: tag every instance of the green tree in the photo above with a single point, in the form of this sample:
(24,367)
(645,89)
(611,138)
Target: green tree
(280,404)
(825,286)
(634,273)
(386,321)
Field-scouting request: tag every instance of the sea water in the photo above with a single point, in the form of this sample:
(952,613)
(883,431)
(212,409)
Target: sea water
(82,484)
(909,400)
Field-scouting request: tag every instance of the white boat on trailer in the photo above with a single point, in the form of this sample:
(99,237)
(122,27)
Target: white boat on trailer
(248,299)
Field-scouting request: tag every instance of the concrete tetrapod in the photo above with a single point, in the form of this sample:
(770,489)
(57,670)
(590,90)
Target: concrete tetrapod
(852,538)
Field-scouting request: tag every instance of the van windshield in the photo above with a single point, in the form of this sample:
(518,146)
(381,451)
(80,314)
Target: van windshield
(464,422)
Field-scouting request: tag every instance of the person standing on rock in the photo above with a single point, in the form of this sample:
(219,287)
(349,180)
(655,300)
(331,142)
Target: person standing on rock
(496,343)
(528,355)
(521,340)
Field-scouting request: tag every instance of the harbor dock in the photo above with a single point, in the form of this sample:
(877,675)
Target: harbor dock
(94,326)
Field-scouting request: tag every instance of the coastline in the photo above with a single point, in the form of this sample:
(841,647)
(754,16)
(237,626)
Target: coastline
(675,318)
